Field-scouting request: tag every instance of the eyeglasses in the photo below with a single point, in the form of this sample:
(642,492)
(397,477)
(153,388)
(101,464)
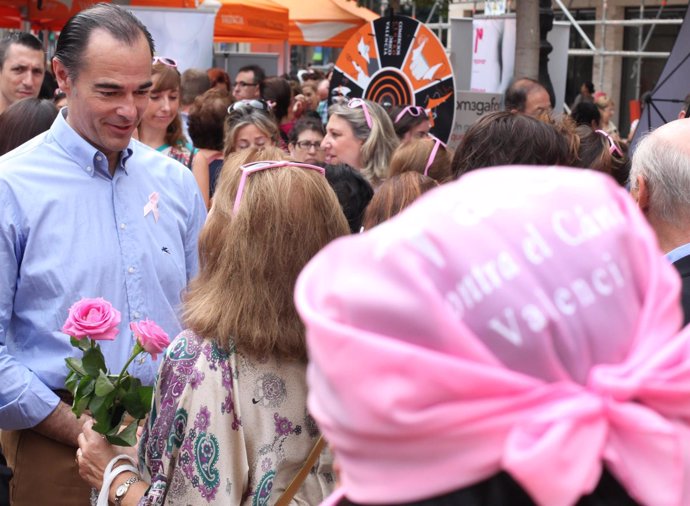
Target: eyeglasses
(613,147)
(165,61)
(434,151)
(248,104)
(306,145)
(251,168)
(412,110)
(242,84)
(358,102)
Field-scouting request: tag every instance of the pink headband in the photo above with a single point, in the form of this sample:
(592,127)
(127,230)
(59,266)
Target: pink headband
(519,319)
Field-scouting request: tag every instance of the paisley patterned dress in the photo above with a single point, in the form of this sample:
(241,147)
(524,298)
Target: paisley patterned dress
(228,429)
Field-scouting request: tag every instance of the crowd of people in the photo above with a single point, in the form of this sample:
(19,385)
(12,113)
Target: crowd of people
(360,314)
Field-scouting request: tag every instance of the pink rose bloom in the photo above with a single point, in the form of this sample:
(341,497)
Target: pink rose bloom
(150,336)
(92,318)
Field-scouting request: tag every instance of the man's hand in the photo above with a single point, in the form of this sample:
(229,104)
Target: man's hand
(62,425)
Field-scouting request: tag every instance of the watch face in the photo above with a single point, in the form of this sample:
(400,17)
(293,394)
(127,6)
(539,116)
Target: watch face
(121,490)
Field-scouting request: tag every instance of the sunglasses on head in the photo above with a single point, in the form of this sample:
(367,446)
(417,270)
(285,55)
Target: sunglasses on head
(358,102)
(250,168)
(249,104)
(412,110)
(165,61)
(613,147)
(434,151)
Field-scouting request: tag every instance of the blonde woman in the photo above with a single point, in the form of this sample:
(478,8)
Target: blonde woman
(229,424)
(606,110)
(361,134)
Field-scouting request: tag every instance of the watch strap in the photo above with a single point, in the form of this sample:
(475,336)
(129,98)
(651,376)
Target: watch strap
(124,488)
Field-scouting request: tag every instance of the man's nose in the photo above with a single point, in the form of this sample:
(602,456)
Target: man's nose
(128,108)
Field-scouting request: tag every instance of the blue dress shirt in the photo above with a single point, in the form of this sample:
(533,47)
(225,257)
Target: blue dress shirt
(69,230)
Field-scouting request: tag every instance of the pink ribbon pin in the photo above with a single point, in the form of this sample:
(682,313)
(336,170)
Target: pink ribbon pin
(152,206)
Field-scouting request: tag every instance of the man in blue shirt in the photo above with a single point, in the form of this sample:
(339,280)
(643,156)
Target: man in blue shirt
(86,212)
(660,183)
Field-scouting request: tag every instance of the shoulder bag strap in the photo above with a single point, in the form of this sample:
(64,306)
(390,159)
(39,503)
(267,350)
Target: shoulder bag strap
(299,478)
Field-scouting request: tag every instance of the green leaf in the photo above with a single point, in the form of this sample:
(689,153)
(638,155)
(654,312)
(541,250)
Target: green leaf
(146,396)
(72,381)
(103,385)
(81,401)
(101,407)
(93,361)
(82,344)
(75,365)
(134,406)
(104,426)
(82,397)
(128,436)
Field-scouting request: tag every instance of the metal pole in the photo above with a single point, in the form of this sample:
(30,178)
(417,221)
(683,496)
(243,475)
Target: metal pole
(624,54)
(631,22)
(576,24)
(603,44)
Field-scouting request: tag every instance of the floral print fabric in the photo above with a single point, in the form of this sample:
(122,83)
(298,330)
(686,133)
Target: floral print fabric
(228,429)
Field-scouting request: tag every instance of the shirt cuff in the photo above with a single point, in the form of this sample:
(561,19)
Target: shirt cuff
(33,405)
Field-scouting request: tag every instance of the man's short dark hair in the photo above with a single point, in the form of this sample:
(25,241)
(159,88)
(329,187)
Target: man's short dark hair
(353,192)
(259,76)
(505,138)
(516,94)
(21,38)
(120,23)
(304,124)
(589,85)
(194,83)
(585,113)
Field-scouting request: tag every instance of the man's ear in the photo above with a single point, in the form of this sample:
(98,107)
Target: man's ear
(642,194)
(62,76)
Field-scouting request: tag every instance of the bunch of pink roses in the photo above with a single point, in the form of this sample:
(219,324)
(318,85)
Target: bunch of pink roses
(106,396)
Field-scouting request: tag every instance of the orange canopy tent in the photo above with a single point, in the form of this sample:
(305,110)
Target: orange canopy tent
(10,17)
(53,14)
(251,21)
(325,22)
(236,21)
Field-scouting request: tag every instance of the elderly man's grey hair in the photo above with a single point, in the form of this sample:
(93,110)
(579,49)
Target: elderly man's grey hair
(665,168)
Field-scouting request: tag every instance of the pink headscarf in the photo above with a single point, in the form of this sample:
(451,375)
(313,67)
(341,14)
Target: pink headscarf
(519,319)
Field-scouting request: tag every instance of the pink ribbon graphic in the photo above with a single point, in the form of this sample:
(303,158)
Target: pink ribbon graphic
(152,206)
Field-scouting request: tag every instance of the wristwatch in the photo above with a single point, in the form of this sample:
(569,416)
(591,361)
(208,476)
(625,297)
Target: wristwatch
(122,489)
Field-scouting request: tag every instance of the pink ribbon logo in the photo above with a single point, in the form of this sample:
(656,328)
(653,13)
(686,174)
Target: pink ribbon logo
(152,206)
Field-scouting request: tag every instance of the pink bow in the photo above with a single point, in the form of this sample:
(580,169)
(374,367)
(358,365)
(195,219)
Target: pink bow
(633,440)
(152,206)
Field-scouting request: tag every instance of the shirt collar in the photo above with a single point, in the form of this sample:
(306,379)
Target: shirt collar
(84,154)
(680,252)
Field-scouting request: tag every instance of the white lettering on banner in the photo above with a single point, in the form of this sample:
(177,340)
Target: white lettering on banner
(565,301)
(510,331)
(574,227)
(534,246)
(229,19)
(483,279)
